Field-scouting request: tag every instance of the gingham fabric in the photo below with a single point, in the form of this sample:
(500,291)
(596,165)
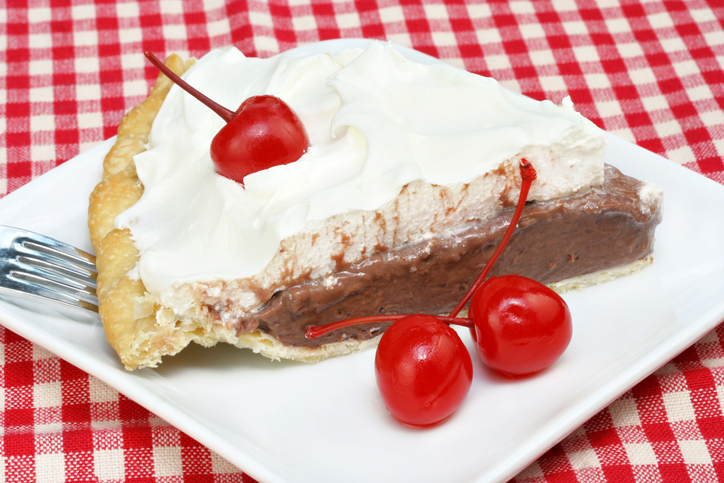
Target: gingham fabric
(649,71)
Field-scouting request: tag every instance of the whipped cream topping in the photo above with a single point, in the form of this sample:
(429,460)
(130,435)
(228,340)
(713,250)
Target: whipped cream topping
(376,122)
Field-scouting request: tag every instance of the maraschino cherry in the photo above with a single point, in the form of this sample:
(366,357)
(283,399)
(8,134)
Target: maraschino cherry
(423,370)
(263,132)
(519,327)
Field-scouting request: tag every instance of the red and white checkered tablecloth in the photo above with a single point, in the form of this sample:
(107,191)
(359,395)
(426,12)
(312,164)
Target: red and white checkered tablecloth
(650,71)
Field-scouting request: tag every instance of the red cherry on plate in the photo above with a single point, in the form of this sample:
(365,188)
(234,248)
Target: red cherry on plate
(521,326)
(423,370)
(263,132)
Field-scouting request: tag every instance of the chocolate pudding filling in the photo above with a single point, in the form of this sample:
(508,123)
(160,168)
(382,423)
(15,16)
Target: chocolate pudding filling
(602,228)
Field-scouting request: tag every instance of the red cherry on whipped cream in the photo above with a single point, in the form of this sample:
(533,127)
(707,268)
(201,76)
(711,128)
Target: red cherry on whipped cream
(262,133)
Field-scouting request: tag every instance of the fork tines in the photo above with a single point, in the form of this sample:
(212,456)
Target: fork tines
(33,266)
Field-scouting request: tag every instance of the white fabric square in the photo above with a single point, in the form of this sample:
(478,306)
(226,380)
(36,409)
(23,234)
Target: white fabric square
(597,81)
(435,12)
(712,118)
(220,465)
(624,413)
(586,53)
(686,68)
(695,452)
(479,11)
(41,94)
(49,468)
(348,20)
(39,14)
(400,39)
(130,35)
(714,39)
(678,406)
(90,92)
(108,464)
(584,459)
(488,36)
(444,39)
(617,25)
(171,7)
(701,15)
(40,41)
(2,389)
(99,392)
(630,50)
(39,353)
(521,7)
(219,27)
(264,43)
(681,155)
(532,31)
(674,44)
(700,93)
(624,133)
(89,65)
(90,120)
(660,20)
(643,76)
(497,62)
(85,38)
(654,103)
(262,19)
(640,453)
(608,4)
(82,12)
(42,122)
(304,22)
(133,61)
(134,88)
(127,10)
(174,31)
(575,27)
(47,395)
(609,108)
(167,460)
(553,83)
(391,14)
(40,67)
(565,5)
(542,57)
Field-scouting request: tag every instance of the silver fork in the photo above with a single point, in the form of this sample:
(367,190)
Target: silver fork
(39,268)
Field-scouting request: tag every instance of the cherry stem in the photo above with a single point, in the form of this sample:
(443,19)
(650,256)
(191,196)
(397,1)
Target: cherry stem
(528,175)
(314,332)
(223,112)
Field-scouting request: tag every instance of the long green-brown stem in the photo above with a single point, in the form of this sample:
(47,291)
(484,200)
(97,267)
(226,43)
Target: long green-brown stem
(223,112)
(318,331)
(528,174)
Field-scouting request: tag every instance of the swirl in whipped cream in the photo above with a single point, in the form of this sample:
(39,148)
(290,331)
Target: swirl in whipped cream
(376,121)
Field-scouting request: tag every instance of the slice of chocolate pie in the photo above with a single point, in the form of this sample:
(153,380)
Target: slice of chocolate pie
(407,186)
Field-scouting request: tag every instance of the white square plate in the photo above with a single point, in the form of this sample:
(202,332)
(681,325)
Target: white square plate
(288,422)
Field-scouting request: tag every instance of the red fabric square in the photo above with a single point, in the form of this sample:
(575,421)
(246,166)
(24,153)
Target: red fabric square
(19,373)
